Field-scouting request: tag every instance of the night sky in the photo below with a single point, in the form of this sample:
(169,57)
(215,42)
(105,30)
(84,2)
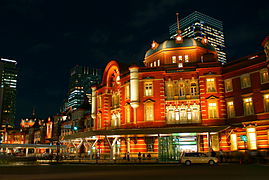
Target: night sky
(48,38)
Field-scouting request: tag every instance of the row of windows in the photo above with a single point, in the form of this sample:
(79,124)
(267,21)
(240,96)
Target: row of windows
(245,80)
(155,63)
(248,106)
(179,89)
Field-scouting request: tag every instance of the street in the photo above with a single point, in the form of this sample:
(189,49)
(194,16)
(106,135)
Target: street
(141,171)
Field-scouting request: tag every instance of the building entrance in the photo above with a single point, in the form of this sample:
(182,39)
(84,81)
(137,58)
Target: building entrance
(171,147)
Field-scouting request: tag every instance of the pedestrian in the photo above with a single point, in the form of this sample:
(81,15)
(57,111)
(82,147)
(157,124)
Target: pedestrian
(221,156)
(149,156)
(128,156)
(143,156)
(139,156)
(213,153)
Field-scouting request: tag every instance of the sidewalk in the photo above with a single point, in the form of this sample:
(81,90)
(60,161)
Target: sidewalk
(107,161)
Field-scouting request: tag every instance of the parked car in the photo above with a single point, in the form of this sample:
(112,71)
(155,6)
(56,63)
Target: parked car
(191,158)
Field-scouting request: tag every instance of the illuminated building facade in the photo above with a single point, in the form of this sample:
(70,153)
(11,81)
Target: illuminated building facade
(175,103)
(8,87)
(247,98)
(182,100)
(81,79)
(197,25)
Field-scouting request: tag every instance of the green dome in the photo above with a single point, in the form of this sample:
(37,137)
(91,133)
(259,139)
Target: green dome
(171,43)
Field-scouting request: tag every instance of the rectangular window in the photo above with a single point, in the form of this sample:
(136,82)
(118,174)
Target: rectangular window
(151,65)
(174,59)
(180,65)
(245,81)
(99,103)
(251,136)
(127,91)
(148,89)
(233,139)
(211,85)
(212,110)
(180,58)
(158,62)
(248,106)
(127,114)
(149,112)
(230,109)
(228,85)
(264,76)
(186,58)
(266,102)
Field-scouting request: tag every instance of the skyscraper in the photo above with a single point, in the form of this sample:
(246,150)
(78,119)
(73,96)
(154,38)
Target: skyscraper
(81,80)
(8,86)
(197,25)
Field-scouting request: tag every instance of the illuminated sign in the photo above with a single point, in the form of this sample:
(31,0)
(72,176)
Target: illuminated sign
(244,138)
(184,134)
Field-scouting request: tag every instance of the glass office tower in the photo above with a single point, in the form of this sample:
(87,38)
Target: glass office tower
(8,86)
(198,25)
(81,80)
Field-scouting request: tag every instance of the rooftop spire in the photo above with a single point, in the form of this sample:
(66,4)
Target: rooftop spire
(179,38)
(178,24)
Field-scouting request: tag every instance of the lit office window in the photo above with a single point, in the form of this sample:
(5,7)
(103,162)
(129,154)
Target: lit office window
(212,110)
(211,85)
(245,81)
(186,58)
(148,89)
(264,76)
(233,139)
(154,63)
(151,65)
(248,106)
(180,58)
(230,109)
(228,85)
(251,136)
(158,62)
(174,59)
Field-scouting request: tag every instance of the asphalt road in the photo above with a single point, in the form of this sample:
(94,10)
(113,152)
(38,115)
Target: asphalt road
(135,172)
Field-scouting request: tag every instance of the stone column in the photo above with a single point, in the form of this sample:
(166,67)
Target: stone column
(134,87)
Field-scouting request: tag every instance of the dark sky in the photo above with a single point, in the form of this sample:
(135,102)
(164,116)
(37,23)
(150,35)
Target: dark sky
(48,38)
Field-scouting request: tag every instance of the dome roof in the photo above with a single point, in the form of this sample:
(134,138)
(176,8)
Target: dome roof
(171,43)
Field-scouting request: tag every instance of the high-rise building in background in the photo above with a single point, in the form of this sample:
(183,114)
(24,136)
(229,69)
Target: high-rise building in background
(197,25)
(8,86)
(81,80)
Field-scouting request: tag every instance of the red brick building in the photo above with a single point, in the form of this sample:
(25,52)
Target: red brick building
(183,99)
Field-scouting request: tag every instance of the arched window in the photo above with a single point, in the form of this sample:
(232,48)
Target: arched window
(183,113)
(169,89)
(115,119)
(195,113)
(182,91)
(99,120)
(127,113)
(115,100)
